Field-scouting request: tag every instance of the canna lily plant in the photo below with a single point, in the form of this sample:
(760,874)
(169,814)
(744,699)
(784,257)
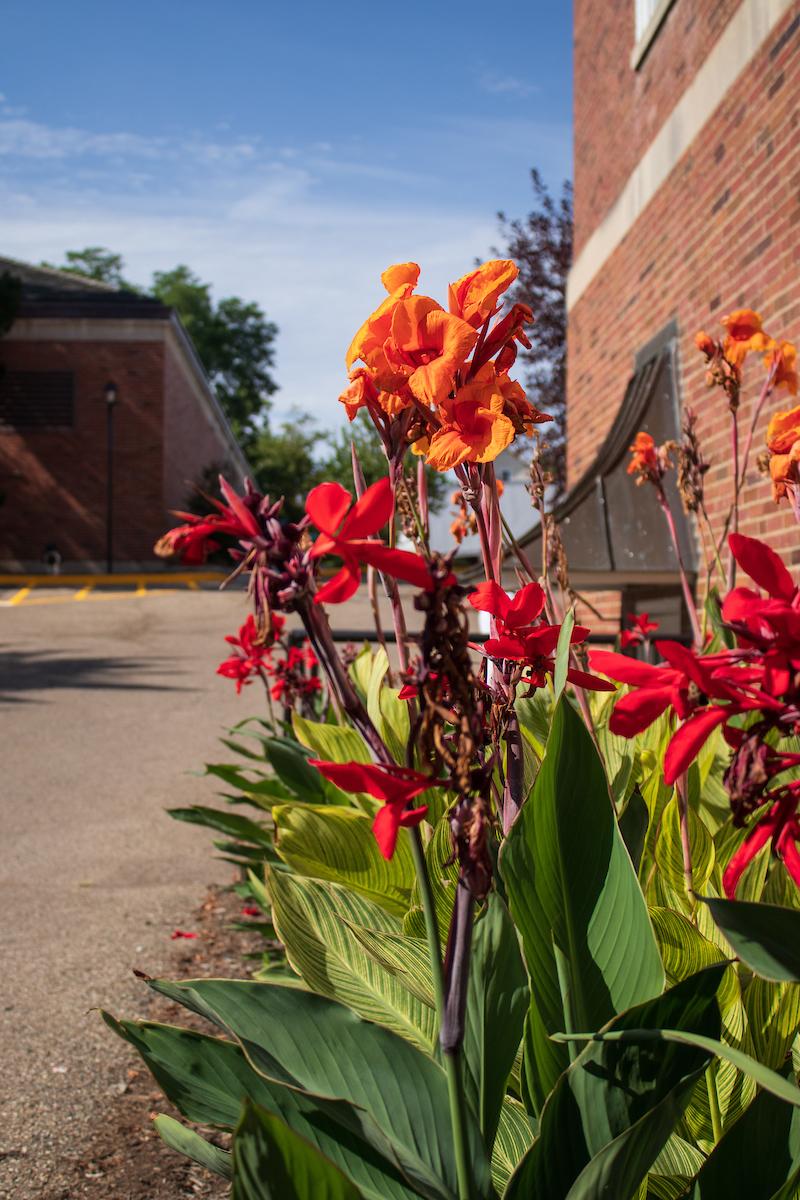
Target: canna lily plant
(540,936)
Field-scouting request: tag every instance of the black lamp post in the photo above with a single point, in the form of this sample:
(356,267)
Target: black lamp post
(110,393)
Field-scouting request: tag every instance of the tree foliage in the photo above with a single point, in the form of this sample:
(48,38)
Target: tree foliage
(95,262)
(541,245)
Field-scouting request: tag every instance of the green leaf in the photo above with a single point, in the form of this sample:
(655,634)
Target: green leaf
(338,844)
(443,875)
(388,714)
(321,1047)
(764,936)
(633,826)
(514,1136)
(192,1145)
(231,824)
(612,1112)
(339,744)
(315,920)
(767,1079)
(272,1162)
(534,714)
(669,852)
(571,890)
(684,950)
(206,1078)
(773,1019)
(562,653)
(757,1158)
(290,763)
(497,1000)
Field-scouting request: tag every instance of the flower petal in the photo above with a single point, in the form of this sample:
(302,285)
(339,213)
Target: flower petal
(687,742)
(525,607)
(371,512)
(756,839)
(342,586)
(326,505)
(489,597)
(637,710)
(628,670)
(763,565)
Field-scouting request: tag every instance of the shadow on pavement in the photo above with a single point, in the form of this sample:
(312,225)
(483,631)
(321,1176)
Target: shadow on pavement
(39,671)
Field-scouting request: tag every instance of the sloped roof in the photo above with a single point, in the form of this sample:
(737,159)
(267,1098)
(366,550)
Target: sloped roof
(47,292)
(613,531)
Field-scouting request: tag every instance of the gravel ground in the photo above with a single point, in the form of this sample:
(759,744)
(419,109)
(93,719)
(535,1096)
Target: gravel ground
(106,709)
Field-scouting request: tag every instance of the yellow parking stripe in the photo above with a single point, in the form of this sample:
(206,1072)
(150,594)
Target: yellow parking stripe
(84,592)
(19,596)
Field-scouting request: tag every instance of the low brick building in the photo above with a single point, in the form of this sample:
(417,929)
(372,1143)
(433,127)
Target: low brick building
(687,205)
(70,338)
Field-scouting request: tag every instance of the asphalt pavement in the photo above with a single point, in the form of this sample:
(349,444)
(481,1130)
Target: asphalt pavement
(107,708)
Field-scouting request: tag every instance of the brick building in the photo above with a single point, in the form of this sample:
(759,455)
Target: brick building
(70,337)
(687,205)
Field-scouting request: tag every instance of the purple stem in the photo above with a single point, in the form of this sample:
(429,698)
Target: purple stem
(456,971)
(687,591)
(512,791)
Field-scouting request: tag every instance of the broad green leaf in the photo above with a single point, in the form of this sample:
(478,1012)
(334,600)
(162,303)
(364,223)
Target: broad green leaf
(192,1145)
(763,1076)
(361,670)
(764,936)
(571,890)
(534,714)
(315,920)
(323,1048)
(619,756)
(562,653)
(339,744)
(669,852)
(497,1001)
(633,825)
(676,1165)
(236,777)
(228,823)
(757,1158)
(272,1162)
(514,1136)
(290,762)
(404,956)
(443,874)
(388,714)
(773,1011)
(207,1078)
(614,1109)
(684,950)
(338,844)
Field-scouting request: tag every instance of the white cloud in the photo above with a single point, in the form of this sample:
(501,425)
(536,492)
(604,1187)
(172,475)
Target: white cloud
(506,85)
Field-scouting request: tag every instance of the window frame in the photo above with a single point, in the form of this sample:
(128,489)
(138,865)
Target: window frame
(647,35)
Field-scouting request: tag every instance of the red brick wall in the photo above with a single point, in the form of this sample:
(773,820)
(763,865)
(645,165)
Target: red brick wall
(192,440)
(722,232)
(618,110)
(54,482)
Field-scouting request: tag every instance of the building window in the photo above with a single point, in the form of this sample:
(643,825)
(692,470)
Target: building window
(36,399)
(649,18)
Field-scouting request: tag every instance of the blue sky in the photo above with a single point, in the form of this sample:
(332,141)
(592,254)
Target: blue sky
(287,153)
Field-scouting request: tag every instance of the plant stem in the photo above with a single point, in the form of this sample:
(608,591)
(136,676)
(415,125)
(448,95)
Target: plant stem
(736,488)
(455,1090)
(713,1101)
(687,591)
(686,847)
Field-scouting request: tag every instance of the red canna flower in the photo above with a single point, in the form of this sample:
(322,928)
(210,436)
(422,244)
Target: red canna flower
(196,539)
(396,786)
(251,658)
(641,628)
(348,534)
(520,640)
(781,827)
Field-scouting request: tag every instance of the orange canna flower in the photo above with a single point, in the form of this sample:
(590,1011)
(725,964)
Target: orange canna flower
(518,407)
(427,346)
(474,296)
(705,344)
(783,441)
(368,342)
(358,392)
(744,334)
(644,462)
(475,428)
(786,374)
(400,275)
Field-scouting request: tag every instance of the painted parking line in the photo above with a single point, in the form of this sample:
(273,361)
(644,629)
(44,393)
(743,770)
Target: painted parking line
(84,592)
(18,597)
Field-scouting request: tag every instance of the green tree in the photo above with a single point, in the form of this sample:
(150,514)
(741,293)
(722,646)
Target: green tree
(95,262)
(235,342)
